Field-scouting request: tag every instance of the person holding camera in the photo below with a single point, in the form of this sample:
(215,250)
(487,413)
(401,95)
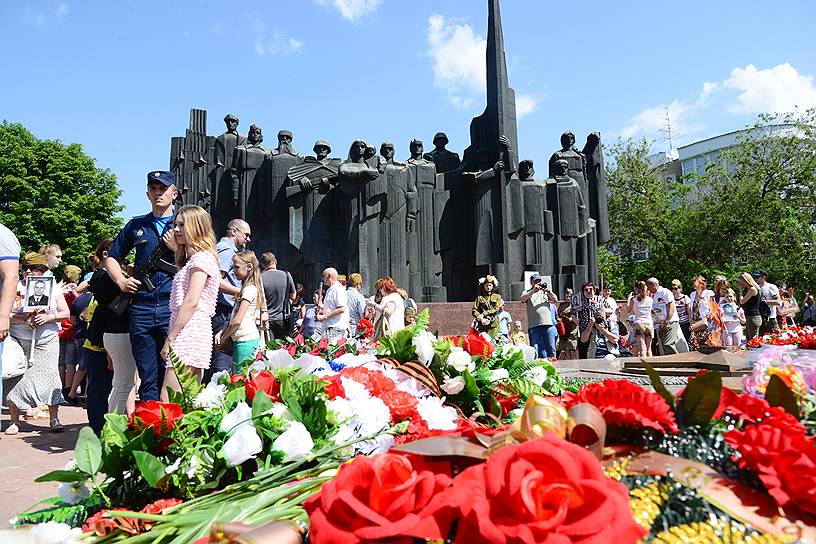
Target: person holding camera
(606,334)
(540,326)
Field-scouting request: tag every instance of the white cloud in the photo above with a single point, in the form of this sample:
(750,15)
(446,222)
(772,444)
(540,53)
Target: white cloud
(682,115)
(279,44)
(458,55)
(525,103)
(772,90)
(38,19)
(353,10)
(62,10)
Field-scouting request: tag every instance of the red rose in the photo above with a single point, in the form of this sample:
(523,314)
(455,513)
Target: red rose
(161,416)
(365,328)
(476,344)
(236,378)
(784,461)
(625,404)
(262,381)
(385,498)
(507,403)
(545,490)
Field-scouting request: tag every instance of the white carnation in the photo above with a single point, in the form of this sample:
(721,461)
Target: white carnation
(453,386)
(436,415)
(52,532)
(295,442)
(460,360)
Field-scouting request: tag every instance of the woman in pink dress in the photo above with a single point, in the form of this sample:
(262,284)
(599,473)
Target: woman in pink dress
(193,295)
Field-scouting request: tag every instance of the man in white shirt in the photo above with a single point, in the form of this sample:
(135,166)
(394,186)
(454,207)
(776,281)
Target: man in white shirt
(9,274)
(770,294)
(539,316)
(666,320)
(333,313)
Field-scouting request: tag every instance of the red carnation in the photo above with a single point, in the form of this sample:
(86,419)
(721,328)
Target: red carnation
(385,498)
(160,416)
(263,381)
(402,405)
(374,381)
(545,490)
(784,461)
(334,388)
(625,404)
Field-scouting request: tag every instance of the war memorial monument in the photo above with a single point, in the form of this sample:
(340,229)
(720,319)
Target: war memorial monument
(432,221)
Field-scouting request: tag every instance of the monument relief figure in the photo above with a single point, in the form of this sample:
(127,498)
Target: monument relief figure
(444,160)
(538,221)
(354,174)
(248,169)
(221,182)
(575,159)
(571,224)
(391,206)
(596,179)
(313,224)
(274,234)
(424,215)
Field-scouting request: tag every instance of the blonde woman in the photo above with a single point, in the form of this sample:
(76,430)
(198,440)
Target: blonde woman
(242,328)
(193,294)
(749,300)
(640,306)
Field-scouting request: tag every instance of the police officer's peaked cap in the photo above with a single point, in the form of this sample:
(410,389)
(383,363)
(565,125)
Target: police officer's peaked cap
(162,176)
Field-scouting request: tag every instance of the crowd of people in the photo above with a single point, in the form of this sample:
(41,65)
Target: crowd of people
(109,333)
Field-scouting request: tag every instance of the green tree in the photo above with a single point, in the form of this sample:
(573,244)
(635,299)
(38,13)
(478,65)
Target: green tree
(52,192)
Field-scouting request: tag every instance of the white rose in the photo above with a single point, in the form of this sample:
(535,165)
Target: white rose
(52,532)
(216,377)
(453,386)
(211,397)
(460,360)
(538,375)
(242,445)
(279,358)
(498,375)
(73,492)
(241,416)
(295,442)
(530,353)
(423,343)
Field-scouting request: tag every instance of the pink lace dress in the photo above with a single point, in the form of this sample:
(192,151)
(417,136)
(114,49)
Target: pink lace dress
(193,345)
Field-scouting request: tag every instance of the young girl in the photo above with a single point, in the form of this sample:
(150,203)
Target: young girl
(640,305)
(242,328)
(517,337)
(487,305)
(733,318)
(193,294)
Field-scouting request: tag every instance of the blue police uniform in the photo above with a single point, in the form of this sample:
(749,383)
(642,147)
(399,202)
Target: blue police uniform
(149,311)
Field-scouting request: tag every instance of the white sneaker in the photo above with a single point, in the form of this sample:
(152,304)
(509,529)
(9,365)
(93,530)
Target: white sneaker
(12,429)
(56,426)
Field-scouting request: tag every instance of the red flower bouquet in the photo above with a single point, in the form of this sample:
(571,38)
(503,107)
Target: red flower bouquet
(160,416)
(365,328)
(385,498)
(625,404)
(262,381)
(545,490)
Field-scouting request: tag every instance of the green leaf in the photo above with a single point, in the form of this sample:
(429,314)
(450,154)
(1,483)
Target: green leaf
(88,452)
(234,397)
(779,394)
(150,466)
(701,398)
(67,476)
(657,384)
(260,404)
(113,433)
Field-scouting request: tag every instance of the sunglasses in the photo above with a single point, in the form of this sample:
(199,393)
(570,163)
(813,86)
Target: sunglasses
(675,288)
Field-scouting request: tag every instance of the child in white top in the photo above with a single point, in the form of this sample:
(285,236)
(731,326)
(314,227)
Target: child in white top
(242,328)
(733,318)
(640,306)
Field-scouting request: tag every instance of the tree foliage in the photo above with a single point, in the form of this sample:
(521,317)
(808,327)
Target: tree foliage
(752,208)
(54,193)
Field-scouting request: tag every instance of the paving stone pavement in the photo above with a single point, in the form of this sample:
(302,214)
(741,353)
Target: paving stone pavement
(31,453)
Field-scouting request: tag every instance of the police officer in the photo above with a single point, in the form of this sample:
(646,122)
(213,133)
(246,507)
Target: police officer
(149,311)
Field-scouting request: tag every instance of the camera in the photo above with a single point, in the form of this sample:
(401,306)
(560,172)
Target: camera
(599,320)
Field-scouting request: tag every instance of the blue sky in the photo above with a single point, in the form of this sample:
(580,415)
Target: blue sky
(120,77)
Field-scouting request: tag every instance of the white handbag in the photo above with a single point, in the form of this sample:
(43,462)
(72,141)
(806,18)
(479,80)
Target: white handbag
(13,361)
